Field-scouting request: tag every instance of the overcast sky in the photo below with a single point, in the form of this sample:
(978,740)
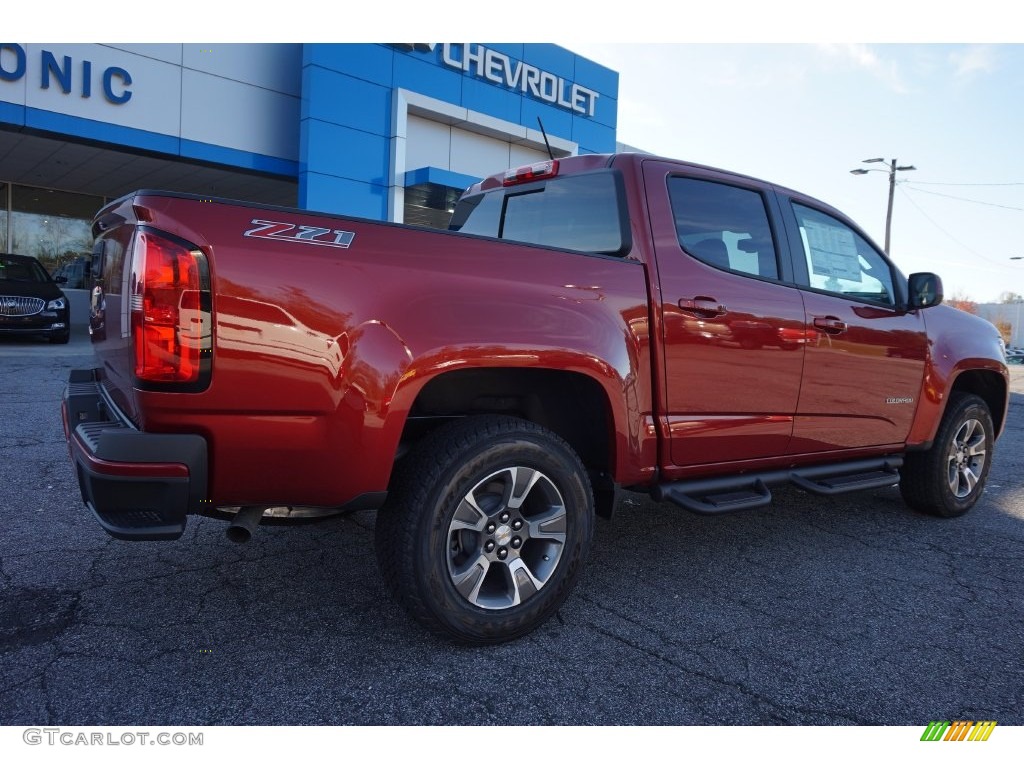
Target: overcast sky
(805,115)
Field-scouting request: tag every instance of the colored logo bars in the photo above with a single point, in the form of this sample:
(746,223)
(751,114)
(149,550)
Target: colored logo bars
(960,730)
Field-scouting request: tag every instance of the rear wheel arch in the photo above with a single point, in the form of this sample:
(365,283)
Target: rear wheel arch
(572,405)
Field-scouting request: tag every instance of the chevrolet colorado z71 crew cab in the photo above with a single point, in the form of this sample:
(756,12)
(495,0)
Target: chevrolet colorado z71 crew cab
(588,324)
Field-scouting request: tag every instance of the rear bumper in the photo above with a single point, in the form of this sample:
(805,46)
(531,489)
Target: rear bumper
(140,485)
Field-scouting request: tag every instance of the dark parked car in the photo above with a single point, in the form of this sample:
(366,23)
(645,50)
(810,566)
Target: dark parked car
(30,301)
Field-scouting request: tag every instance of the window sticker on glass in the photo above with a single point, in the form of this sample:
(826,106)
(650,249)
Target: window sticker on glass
(833,251)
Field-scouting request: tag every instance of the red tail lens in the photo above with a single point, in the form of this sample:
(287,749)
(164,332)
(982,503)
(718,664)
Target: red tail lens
(169,328)
(534,172)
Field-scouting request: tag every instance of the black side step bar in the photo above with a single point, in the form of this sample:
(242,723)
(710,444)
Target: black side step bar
(717,495)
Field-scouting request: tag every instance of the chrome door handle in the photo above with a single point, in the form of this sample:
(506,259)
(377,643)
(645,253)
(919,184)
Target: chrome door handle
(702,306)
(830,324)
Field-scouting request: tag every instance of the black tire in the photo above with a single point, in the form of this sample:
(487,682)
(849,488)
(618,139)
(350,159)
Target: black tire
(948,478)
(60,339)
(515,571)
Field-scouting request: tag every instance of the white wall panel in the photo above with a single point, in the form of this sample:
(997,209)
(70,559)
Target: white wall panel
(240,116)
(477,155)
(14,92)
(274,66)
(155,87)
(169,52)
(428,143)
(520,155)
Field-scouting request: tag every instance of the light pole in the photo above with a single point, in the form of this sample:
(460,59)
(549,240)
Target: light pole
(892,187)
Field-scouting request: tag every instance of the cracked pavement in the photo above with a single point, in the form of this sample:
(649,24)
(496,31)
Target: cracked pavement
(812,611)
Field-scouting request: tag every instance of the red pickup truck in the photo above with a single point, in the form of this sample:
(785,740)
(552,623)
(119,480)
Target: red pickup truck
(588,324)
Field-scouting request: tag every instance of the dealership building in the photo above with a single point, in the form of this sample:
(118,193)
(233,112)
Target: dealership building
(392,132)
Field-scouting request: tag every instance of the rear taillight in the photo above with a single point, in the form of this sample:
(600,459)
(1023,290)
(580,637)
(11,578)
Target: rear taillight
(535,172)
(170,310)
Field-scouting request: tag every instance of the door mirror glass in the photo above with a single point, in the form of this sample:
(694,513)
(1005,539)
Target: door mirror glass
(925,289)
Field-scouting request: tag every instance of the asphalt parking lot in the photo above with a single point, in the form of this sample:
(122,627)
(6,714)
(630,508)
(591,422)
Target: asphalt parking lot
(813,611)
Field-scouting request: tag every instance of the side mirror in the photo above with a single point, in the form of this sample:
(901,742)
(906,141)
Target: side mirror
(925,289)
(60,279)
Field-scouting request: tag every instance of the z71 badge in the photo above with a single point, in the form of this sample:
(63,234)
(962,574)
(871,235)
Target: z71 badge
(301,233)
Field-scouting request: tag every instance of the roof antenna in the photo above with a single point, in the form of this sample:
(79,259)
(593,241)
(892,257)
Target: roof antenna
(545,135)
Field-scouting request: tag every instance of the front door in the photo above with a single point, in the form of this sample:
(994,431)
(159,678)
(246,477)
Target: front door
(865,356)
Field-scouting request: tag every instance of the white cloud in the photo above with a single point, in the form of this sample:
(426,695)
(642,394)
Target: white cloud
(865,58)
(972,60)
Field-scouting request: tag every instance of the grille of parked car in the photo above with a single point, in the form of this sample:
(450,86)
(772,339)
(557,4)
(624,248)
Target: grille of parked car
(19,306)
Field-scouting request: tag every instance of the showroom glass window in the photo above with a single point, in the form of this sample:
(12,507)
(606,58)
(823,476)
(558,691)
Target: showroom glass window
(52,226)
(4,207)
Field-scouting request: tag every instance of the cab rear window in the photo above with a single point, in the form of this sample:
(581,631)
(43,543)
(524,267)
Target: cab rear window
(578,213)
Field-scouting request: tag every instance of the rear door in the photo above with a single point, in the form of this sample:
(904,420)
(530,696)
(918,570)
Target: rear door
(865,356)
(733,325)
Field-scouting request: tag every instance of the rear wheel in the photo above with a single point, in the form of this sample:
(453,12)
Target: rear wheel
(947,479)
(486,527)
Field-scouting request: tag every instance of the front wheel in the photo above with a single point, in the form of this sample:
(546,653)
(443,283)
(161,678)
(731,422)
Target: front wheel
(948,478)
(486,527)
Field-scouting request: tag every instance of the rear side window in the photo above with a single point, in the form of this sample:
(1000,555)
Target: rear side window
(724,226)
(578,213)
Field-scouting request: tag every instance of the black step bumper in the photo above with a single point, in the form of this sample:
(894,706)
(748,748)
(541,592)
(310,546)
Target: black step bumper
(140,485)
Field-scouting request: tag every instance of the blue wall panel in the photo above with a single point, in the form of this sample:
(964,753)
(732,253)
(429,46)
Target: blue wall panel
(330,194)
(346,108)
(553,59)
(347,153)
(423,76)
(557,122)
(226,156)
(592,136)
(13,114)
(606,111)
(367,61)
(596,77)
(347,101)
(515,50)
(505,104)
(99,131)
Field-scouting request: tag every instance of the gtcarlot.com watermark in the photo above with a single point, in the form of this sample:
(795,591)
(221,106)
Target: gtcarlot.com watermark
(75,738)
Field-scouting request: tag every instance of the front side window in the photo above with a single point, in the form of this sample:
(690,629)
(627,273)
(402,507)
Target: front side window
(724,226)
(841,261)
(578,213)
